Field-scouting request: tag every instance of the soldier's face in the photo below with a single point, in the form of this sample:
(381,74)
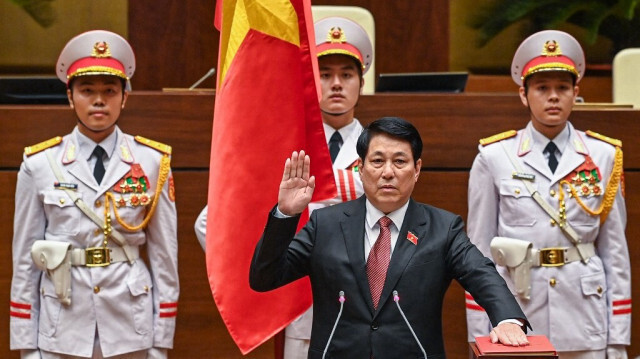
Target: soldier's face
(340,84)
(97,101)
(550,99)
(389,173)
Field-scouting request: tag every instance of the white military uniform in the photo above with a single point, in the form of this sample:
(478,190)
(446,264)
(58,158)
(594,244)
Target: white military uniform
(349,187)
(128,306)
(578,306)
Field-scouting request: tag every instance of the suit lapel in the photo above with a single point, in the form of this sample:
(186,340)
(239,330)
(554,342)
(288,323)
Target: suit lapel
(404,249)
(352,226)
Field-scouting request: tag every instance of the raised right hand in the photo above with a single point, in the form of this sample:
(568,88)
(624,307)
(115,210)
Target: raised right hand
(296,187)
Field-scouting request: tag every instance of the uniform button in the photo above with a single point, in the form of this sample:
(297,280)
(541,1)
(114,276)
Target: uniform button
(552,193)
(146,288)
(517,191)
(552,282)
(61,200)
(553,223)
(96,289)
(599,290)
(42,291)
(374,326)
(97,231)
(98,203)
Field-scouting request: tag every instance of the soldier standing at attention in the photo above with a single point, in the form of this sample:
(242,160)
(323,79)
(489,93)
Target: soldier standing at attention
(85,204)
(547,202)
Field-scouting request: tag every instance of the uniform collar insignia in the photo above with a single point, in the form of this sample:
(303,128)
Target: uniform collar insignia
(579,146)
(525,144)
(69,153)
(125,151)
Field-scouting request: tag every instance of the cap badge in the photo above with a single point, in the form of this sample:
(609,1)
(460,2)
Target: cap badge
(336,35)
(101,50)
(551,48)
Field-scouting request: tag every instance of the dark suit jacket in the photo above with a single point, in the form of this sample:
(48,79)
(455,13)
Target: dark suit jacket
(330,250)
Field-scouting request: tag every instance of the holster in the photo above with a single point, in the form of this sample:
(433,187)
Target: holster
(54,258)
(515,254)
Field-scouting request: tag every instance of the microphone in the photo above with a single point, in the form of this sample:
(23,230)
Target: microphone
(206,76)
(341,300)
(396,299)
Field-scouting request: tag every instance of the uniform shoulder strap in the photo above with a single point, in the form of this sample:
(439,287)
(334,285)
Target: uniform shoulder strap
(499,137)
(31,150)
(609,140)
(161,147)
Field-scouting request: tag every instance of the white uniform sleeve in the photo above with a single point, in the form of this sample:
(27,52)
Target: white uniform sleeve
(482,226)
(612,249)
(162,250)
(29,226)
(200,227)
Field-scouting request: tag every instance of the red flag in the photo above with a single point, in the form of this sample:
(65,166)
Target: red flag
(266,107)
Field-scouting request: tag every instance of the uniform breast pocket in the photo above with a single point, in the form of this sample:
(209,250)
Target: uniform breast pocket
(62,214)
(517,207)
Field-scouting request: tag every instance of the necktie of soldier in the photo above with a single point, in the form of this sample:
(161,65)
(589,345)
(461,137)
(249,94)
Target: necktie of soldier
(378,261)
(551,148)
(334,145)
(98,169)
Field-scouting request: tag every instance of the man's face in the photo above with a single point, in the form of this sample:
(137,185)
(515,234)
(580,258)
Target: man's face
(388,172)
(550,100)
(97,101)
(341,84)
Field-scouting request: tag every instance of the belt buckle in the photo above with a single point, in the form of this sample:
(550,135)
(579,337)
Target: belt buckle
(98,256)
(552,257)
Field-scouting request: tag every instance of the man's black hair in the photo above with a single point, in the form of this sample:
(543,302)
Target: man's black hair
(394,127)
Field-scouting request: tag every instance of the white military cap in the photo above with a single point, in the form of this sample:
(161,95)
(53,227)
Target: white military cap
(96,52)
(548,50)
(341,36)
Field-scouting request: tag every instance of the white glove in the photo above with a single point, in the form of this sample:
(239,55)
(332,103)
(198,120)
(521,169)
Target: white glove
(157,353)
(29,354)
(616,352)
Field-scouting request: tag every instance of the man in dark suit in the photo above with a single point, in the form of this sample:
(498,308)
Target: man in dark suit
(382,243)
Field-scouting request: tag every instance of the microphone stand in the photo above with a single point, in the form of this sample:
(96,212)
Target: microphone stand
(341,300)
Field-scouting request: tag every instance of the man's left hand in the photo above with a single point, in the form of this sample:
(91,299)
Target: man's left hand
(509,334)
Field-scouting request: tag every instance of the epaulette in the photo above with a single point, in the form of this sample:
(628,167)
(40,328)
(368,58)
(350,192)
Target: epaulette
(499,137)
(31,150)
(166,149)
(609,140)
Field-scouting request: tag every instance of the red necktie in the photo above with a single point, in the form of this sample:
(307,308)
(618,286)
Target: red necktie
(378,261)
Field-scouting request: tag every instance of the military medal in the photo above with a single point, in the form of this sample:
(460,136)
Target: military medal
(586,179)
(133,188)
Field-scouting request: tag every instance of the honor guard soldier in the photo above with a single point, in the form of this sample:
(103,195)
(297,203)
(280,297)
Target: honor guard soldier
(86,203)
(547,203)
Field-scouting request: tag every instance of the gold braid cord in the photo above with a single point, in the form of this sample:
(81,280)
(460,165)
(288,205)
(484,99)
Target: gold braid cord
(165,166)
(609,194)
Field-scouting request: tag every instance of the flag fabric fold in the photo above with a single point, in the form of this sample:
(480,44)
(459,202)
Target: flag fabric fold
(266,107)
